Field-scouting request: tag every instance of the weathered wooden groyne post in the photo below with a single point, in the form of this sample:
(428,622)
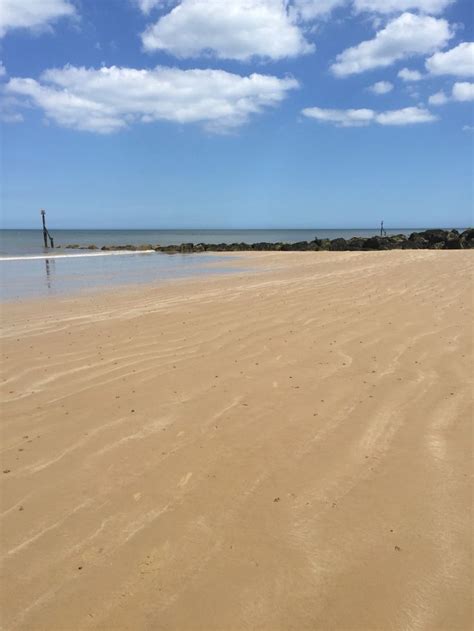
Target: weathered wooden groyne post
(46,231)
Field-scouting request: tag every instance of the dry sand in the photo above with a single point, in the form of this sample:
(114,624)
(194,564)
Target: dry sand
(285,449)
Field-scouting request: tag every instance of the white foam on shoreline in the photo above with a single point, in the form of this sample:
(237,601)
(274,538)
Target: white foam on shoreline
(42,257)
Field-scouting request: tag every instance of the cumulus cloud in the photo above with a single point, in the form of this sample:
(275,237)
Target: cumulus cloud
(32,14)
(110,99)
(240,30)
(363,117)
(458,61)
(410,75)
(432,7)
(402,37)
(381,87)
(439,98)
(461,91)
(341,118)
(406,116)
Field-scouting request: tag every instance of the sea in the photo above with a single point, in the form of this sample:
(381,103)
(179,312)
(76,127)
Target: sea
(28,270)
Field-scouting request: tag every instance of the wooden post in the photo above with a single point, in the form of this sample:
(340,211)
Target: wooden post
(46,231)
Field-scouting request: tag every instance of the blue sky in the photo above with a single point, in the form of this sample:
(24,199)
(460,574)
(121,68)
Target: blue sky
(237,113)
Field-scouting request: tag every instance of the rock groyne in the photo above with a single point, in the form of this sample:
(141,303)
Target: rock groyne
(425,240)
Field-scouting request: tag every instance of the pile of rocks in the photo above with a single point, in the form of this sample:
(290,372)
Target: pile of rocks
(428,239)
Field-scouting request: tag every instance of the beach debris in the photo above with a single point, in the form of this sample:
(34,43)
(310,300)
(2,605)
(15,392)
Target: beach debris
(277,499)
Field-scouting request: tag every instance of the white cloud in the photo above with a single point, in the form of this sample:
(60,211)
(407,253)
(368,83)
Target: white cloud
(403,37)
(381,87)
(240,29)
(468,128)
(458,61)
(410,75)
(341,118)
(406,116)
(32,14)
(432,7)
(363,117)
(147,5)
(110,99)
(439,98)
(463,91)
(3,71)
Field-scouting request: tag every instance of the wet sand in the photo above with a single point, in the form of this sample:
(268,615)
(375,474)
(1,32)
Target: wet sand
(283,449)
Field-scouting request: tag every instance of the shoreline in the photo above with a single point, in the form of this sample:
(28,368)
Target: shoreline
(286,448)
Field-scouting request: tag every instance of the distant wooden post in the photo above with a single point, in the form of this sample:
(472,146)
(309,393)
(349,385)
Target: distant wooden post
(45,231)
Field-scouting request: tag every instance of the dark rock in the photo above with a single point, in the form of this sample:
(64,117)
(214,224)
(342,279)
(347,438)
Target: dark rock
(377,243)
(396,241)
(430,236)
(413,245)
(419,240)
(300,246)
(433,239)
(263,245)
(338,245)
(467,239)
(453,243)
(325,244)
(356,243)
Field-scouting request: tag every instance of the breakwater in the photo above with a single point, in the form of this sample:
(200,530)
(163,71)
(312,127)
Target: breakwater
(427,239)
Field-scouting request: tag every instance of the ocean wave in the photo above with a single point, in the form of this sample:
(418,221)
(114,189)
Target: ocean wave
(42,257)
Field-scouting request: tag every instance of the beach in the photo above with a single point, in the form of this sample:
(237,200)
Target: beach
(285,447)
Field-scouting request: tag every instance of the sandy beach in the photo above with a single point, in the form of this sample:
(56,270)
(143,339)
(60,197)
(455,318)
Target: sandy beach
(282,449)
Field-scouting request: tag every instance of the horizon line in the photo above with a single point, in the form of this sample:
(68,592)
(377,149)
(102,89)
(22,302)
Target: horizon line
(374,227)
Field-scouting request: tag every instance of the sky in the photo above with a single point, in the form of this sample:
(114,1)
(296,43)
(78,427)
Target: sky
(236,113)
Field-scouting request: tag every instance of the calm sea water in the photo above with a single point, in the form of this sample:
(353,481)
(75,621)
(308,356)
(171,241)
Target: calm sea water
(28,270)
